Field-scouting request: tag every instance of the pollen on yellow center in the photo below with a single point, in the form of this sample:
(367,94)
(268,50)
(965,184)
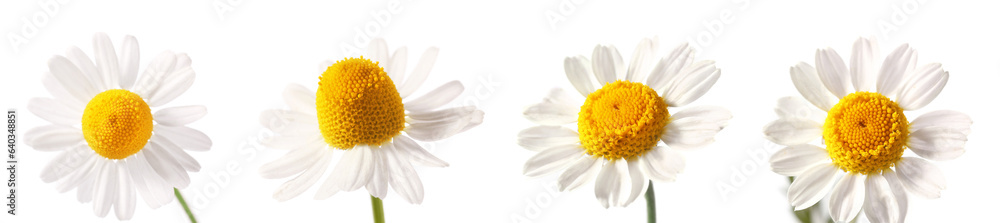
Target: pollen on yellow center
(117,123)
(865,133)
(357,103)
(623,119)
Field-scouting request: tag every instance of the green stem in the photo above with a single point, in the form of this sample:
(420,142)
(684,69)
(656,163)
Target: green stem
(377,210)
(650,204)
(185,205)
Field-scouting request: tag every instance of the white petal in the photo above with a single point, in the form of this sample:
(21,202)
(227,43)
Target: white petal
(639,180)
(86,66)
(609,187)
(85,193)
(354,169)
(643,60)
(379,185)
(397,67)
(125,205)
(607,64)
(581,171)
(72,79)
(894,70)
(180,115)
(920,177)
(939,143)
(807,81)
(880,204)
(185,159)
(300,183)
(419,73)
(136,167)
(173,85)
(898,191)
(793,160)
(863,64)
(924,85)
(185,137)
(552,159)
(53,137)
(691,83)
(557,108)
(662,164)
(59,92)
(811,186)
(695,127)
(155,73)
(83,174)
(669,67)
(942,119)
(129,63)
(833,72)
(444,128)
(403,179)
(107,61)
(792,131)
(105,188)
(543,137)
(792,107)
(436,98)
(289,123)
(293,162)
(300,99)
(166,166)
(410,149)
(55,111)
(847,197)
(579,74)
(378,51)
(73,159)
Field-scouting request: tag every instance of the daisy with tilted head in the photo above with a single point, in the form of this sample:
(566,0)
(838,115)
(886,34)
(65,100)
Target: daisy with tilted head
(359,109)
(865,132)
(111,142)
(622,120)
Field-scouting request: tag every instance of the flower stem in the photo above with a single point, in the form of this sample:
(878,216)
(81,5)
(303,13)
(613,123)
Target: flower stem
(377,210)
(650,204)
(184,204)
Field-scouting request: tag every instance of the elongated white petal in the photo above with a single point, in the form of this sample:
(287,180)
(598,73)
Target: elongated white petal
(662,164)
(378,186)
(173,85)
(552,159)
(59,92)
(807,81)
(847,197)
(403,179)
(579,73)
(691,83)
(166,166)
(293,162)
(894,70)
(607,64)
(863,64)
(925,83)
(833,72)
(413,152)
(378,51)
(881,204)
(419,73)
(639,180)
(300,99)
(397,67)
(180,115)
(643,60)
(543,137)
(105,188)
(610,184)
(793,160)
(107,60)
(920,177)
(73,159)
(125,205)
(185,137)
(83,174)
(72,79)
(557,108)
(795,107)
(136,173)
(436,98)
(811,186)
(53,137)
(185,159)
(300,183)
(444,128)
(939,135)
(581,171)
(155,73)
(667,69)
(695,127)
(898,191)
(129,62)
(87,67)
(793,131)
(354,169)
(55,111)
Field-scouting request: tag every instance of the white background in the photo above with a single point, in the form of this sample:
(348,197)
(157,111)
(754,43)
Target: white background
(511,54)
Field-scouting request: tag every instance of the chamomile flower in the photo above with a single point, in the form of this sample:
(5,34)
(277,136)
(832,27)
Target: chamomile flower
(359,112)
(865,132)
(111,142)
(622,120)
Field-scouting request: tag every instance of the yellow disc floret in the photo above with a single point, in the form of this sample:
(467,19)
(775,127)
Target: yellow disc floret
(117,123)
(357,103)
(865,133)
(622,120)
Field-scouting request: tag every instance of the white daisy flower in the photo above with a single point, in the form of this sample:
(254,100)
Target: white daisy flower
(865,133)
(623,119)
(359,110)
(112,144)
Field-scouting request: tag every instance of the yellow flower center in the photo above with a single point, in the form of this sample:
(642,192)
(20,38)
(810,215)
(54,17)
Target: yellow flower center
(865,133)
(117,123)
(357,103)
(622,120)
